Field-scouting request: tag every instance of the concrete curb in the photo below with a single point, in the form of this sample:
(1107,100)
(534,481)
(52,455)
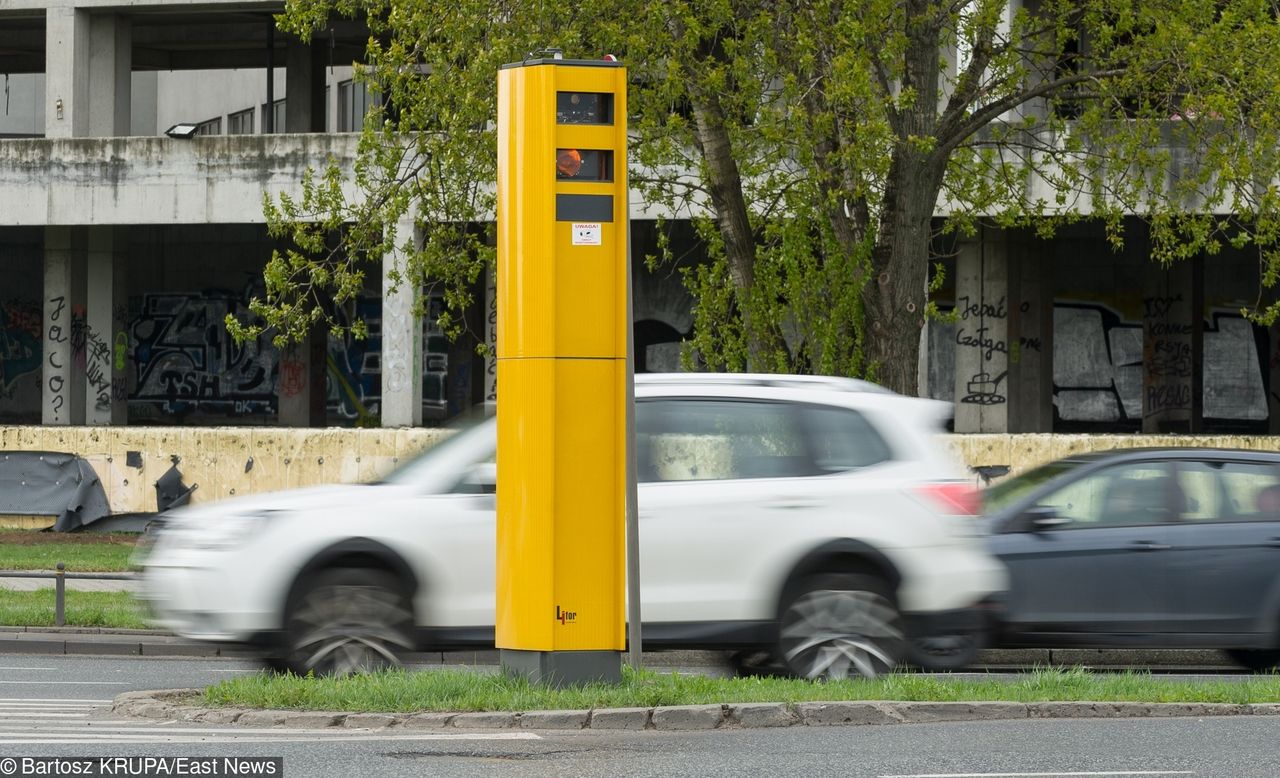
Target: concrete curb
(176,705)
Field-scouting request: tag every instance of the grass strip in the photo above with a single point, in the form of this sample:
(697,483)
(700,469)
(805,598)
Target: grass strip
(83,609)
(462,690)
(83,558)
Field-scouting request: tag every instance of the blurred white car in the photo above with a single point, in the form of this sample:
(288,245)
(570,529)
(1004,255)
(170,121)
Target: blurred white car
(816,518)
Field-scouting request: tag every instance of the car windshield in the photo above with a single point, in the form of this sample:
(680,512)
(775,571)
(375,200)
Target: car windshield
(415,469)
(1005,493)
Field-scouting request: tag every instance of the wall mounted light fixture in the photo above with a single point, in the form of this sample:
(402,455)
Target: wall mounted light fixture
(183,130)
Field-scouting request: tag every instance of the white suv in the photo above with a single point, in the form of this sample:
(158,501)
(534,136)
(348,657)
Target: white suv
(815,518)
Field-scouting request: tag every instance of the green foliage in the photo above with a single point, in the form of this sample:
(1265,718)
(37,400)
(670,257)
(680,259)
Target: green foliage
(471,690)
(118,610)
(811,142)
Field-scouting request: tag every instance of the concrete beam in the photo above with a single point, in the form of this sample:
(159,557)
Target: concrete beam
(158,180)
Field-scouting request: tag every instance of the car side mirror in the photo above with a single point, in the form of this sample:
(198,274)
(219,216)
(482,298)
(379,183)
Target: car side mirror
(1040,518)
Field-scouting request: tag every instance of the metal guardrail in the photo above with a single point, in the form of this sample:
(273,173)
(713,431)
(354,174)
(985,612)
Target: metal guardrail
(60,576)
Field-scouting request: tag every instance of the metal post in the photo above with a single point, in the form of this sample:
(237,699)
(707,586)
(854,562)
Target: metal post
(632,497)
(60,591)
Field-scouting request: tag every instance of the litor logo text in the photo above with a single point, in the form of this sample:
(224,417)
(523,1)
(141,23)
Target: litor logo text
(565,617)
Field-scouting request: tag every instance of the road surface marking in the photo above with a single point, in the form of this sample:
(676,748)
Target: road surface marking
(72,683)
(1042,775)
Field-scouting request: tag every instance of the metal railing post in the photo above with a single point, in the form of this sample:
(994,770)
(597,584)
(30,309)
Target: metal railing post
(60,590)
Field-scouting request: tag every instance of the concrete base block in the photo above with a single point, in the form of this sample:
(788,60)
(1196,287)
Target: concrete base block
(554,719)
(620,718)
(485,720)
(762,714)
(563,668)
(688,717)
(314,720)
(369,720)
(261,718)
(927,712)
(431,720)
(842,713)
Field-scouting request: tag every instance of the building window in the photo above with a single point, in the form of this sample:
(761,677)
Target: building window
(211,127)
(354,101)
(328,121)
(277,116)
(240,122)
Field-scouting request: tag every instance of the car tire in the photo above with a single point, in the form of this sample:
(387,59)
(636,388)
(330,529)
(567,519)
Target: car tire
(840,626)
(346,621)
(945,653)
(1259,660)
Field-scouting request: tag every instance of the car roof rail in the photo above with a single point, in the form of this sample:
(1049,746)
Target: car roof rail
(835,383)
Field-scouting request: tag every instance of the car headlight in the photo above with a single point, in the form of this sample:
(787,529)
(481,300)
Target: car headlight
(217,534)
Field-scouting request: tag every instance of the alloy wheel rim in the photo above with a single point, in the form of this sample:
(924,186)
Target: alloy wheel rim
(835,634)
(349,629)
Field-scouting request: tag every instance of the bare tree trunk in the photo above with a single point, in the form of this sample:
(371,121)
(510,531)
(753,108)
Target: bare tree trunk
(734,223)
(895,296)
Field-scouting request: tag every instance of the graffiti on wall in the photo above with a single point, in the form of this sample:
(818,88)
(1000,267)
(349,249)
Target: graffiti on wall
(978,327)
(184,361)
(1099,357)
(20,344)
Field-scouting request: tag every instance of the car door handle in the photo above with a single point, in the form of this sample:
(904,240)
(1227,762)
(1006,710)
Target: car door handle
(1273,542)
(1148,545)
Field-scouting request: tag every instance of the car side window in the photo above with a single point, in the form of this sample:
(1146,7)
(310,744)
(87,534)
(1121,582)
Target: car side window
(701,440)
(1229,491)
(842,439)
(1118,496)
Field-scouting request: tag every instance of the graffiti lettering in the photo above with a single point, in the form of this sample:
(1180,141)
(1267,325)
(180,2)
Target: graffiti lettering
(969,309)
(981,340)
(293,377)
(1167,397)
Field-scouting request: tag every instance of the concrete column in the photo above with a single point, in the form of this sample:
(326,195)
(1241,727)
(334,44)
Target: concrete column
(110,75)
(982,345)
(66,73)
(79,300)
(55,401)
(120,328)
(301,400)
(401,338)
(101,406)
(1030,382)
(304,87)
(1169,317)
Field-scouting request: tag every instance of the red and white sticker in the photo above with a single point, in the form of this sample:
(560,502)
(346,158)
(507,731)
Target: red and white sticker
(586,233)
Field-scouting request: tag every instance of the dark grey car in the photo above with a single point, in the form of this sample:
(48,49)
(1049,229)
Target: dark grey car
(1168,548)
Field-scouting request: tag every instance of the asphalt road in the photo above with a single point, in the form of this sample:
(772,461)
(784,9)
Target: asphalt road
(59,706)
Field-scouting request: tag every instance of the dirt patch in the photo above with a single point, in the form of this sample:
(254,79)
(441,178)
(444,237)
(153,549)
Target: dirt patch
(21,537)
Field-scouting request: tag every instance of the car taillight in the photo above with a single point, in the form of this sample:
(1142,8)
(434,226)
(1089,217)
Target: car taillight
(953,498)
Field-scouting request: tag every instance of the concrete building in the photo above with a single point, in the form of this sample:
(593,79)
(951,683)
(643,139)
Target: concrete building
(122,251)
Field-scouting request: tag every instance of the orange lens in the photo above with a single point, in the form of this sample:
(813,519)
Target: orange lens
(568,162)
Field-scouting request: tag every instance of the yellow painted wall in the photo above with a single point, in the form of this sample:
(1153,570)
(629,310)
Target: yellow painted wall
(215,457)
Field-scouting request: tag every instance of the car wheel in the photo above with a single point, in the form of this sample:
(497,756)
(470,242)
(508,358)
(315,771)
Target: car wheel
(1259,660)
(943,653)
(347,621)
(840,626)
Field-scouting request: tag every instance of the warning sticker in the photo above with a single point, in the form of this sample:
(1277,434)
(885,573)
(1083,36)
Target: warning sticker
(586,233)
